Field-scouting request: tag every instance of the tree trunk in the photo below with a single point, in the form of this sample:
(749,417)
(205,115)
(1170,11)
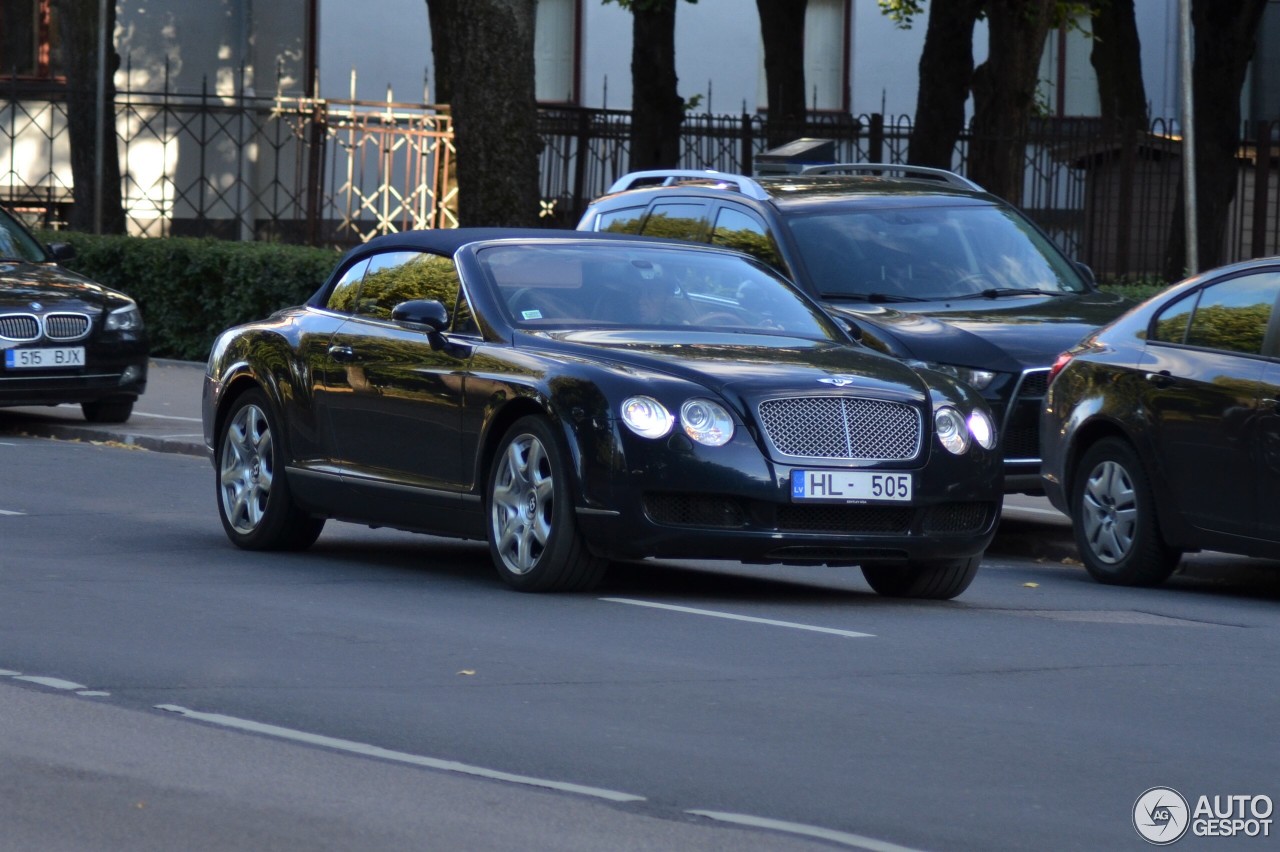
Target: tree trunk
(782,29)
(1116,58)
(1004,92)
(1226,35)
(442,16)
(657,110)
(495,114)
(79,30)
(946,71)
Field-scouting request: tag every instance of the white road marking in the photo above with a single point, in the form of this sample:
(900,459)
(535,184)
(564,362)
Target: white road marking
(398,756)
(856,841)
(7,512)
(52,682)
(167,417)
(733,617)
(1053,513)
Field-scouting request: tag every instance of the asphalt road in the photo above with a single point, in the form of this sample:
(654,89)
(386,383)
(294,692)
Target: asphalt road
(161,689)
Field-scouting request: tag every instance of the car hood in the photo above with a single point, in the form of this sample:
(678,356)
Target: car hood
(22,283)
(1007,334)
(768,363)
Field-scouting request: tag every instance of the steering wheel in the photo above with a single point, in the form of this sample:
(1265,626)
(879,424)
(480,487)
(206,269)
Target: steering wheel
(720,318)
(524,299)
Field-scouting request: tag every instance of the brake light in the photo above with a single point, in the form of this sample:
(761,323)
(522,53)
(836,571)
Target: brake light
(1063,360)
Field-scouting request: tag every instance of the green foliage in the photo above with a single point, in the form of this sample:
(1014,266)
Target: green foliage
(901,12)
(191,289)
(1137,288)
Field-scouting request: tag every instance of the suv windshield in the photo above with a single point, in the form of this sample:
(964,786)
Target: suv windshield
(924,253)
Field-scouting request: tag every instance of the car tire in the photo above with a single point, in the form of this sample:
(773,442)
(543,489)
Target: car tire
(254,496)
(1113,516)
(935,579)
(533,533)
(112,410)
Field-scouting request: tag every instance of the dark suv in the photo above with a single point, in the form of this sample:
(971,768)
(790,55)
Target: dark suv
(923,265)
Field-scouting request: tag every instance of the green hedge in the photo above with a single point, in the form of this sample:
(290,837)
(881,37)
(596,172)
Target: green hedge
(191,289)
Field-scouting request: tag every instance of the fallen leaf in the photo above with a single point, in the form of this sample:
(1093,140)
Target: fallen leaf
(1030,585)
(467,672)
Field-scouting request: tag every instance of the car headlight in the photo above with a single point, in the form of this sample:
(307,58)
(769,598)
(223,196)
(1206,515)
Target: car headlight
(647,417)
(706,422)
(976,378)
(128,318)
(982,429)
(952,430)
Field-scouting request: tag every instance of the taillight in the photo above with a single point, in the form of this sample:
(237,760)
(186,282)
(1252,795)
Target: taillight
(1063,360)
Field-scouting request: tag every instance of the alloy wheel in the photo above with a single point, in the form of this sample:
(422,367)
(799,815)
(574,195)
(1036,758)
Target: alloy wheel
(523,504)
(247,469)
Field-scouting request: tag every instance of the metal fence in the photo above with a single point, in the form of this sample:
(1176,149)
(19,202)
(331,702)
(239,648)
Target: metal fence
(235,165)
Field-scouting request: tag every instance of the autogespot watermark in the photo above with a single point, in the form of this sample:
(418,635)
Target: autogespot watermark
(1162,816)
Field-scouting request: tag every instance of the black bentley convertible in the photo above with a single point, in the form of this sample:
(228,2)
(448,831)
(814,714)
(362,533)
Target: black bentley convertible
(576,398)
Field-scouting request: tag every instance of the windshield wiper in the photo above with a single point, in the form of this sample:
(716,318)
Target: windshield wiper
(997,292)
(875,298)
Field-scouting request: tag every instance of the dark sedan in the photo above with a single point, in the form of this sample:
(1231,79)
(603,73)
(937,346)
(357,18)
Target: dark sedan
(63,338)
(1160,431)
(576,398)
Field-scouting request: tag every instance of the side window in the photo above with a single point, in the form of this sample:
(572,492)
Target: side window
(399,276)
(677,220)
(624,221)
(1233,316)
(744,231)
(343,296)
(1171,324)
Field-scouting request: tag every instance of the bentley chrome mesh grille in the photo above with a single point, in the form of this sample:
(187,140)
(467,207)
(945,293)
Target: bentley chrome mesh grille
(832,427)
(66,326)
(19,327)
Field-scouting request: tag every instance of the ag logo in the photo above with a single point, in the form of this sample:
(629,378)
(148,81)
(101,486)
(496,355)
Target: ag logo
(1161,816)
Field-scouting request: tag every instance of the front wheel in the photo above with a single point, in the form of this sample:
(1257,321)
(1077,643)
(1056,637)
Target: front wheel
(533,535)
(1114,519)
(935,579)
(258,511)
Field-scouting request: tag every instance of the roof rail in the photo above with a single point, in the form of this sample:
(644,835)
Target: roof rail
(672,177)
(949,178)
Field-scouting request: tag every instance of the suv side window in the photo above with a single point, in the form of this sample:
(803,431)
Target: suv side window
(678,220)
(624,221)
(738,229)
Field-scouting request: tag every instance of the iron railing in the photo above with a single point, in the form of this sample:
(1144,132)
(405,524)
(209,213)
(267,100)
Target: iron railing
(236,165)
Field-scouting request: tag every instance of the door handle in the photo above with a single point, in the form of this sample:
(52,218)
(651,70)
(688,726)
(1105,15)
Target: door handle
(342,354)
(1161,379)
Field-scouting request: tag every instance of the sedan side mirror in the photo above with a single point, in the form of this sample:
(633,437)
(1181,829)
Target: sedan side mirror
(424,315)
(61,251)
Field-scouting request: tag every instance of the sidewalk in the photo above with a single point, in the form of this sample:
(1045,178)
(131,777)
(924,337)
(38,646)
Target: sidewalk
(166,418)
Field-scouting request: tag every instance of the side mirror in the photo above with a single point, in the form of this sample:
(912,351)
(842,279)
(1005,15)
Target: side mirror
(1087,271)
(424,315)
(61,251)
(855,330)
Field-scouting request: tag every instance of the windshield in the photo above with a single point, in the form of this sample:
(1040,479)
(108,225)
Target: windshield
(603,284)
(16,243)
(924,253)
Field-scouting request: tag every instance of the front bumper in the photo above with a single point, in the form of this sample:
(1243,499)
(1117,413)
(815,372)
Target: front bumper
(681,500)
